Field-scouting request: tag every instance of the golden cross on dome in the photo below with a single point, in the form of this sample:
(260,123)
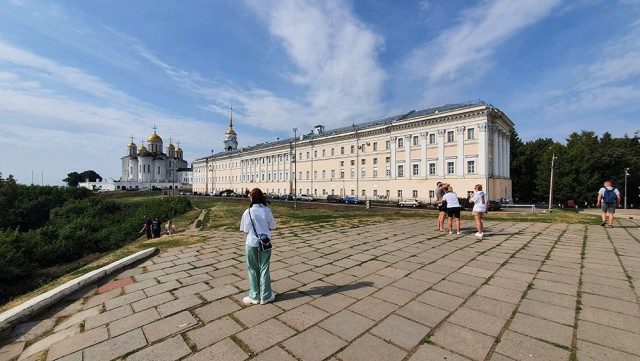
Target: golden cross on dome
(154,128)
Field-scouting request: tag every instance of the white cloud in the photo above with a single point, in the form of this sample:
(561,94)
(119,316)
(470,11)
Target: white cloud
(466,48)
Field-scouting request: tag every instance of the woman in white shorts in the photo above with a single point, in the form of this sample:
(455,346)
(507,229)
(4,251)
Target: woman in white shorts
(479,201)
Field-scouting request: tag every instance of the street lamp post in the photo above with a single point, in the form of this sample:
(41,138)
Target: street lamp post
(553,158)
(213,178)
(626,173)
(295,168)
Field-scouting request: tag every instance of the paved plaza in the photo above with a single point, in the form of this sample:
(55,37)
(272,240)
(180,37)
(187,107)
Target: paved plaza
(393,291)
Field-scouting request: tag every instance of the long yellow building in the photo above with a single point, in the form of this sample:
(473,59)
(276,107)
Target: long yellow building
(397,157)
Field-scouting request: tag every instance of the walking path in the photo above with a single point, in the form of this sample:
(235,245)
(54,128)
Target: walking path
(392,291)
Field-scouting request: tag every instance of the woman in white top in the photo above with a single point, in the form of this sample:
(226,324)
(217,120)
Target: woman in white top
(258,262)
(170,227)
(453,208)
(479,201)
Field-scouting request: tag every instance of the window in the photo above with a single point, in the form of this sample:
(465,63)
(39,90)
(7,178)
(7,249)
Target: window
(416,141)
(341,174)
(375,172)
(375,192)
(400,170)
(333,173)
(307,155)
(315,174)
(158,169)
(414,193)
(353,162)
(416,169)
(388,144)
(362,148)
(471,167)
(375,146)
(333,151)
(342,163)
(324,152)
(451,167)
(432,138)
(471,133)
(432,169)
(363,174)
(399,194)
(353,192)
(364,193)
(387,160)
(375,160)
(315,154)
(353,149)
(362,162)
(341,150)
(388,172)
(324,174)
(400,142)
(432,194)
(353,173)
(300,175)
(450,136)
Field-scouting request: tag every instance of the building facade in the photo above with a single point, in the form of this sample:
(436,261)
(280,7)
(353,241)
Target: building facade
(148,168)
(393,158)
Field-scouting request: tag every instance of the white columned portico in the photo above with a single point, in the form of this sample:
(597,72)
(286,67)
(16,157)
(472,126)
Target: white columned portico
(507,173)
(460,161)
(423,154)
(407,155)
(393,165)
(482,149)
(495,148)
(504,155)
(440,163)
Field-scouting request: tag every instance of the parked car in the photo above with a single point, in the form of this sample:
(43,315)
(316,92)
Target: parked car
(410,203)
(332,198)
(351,200)
(306,197)
(286,197)
(494,206)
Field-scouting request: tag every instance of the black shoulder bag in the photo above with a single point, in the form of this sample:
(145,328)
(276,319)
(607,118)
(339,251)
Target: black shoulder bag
(265,242)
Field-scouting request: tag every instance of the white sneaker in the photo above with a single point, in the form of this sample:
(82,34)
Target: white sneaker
(459,232)
(250,301)
(273,297)
(479,235)
(450,232)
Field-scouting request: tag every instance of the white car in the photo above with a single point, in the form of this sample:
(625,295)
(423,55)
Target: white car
(306,197)
(410,203)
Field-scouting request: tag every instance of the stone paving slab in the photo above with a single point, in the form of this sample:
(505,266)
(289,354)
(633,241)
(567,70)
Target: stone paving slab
(369,291)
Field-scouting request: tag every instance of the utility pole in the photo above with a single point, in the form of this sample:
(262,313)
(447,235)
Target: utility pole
(553,158)
(626,173)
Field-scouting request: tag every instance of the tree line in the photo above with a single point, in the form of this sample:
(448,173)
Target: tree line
(582,164)
(46,232)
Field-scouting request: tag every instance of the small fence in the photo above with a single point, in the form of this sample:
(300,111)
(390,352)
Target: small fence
(507,207)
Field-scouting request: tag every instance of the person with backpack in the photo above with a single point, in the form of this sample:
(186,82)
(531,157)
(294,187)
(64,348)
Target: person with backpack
(608,198)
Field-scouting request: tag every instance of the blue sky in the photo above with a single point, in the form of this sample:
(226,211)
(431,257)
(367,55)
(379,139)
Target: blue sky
(78,78)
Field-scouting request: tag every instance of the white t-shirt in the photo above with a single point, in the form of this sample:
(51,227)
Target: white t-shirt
(478,206)
(263,220)
(452,200)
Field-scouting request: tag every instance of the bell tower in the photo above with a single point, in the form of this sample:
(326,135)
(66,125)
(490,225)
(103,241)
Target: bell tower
(230,137)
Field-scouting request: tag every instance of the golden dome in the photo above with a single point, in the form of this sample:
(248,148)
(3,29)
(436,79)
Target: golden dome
(142,149)
(154,138)
(231,131)
(170,146)
(132,145)
(178,149)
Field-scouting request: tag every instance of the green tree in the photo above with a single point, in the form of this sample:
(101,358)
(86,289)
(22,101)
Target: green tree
(74,178)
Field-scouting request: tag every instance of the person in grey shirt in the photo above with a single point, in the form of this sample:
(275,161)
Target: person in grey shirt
(442,206)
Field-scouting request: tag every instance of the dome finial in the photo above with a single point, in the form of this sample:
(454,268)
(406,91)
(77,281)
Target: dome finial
(230,130)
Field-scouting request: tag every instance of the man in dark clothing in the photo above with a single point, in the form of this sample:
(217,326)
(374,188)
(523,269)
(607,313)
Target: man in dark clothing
(156,226)
(442,207)
(147,227)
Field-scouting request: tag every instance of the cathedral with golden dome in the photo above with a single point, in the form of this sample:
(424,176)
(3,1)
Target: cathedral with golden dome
(151,167)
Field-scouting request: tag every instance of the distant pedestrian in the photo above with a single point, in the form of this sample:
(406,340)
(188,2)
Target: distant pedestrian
(453,208)
(156,226)
(441,206)
(479,200)
(170,227)
(608,197)
(258,220)
(146,227)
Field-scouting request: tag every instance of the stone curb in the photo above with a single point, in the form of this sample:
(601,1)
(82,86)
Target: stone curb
(46,299)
